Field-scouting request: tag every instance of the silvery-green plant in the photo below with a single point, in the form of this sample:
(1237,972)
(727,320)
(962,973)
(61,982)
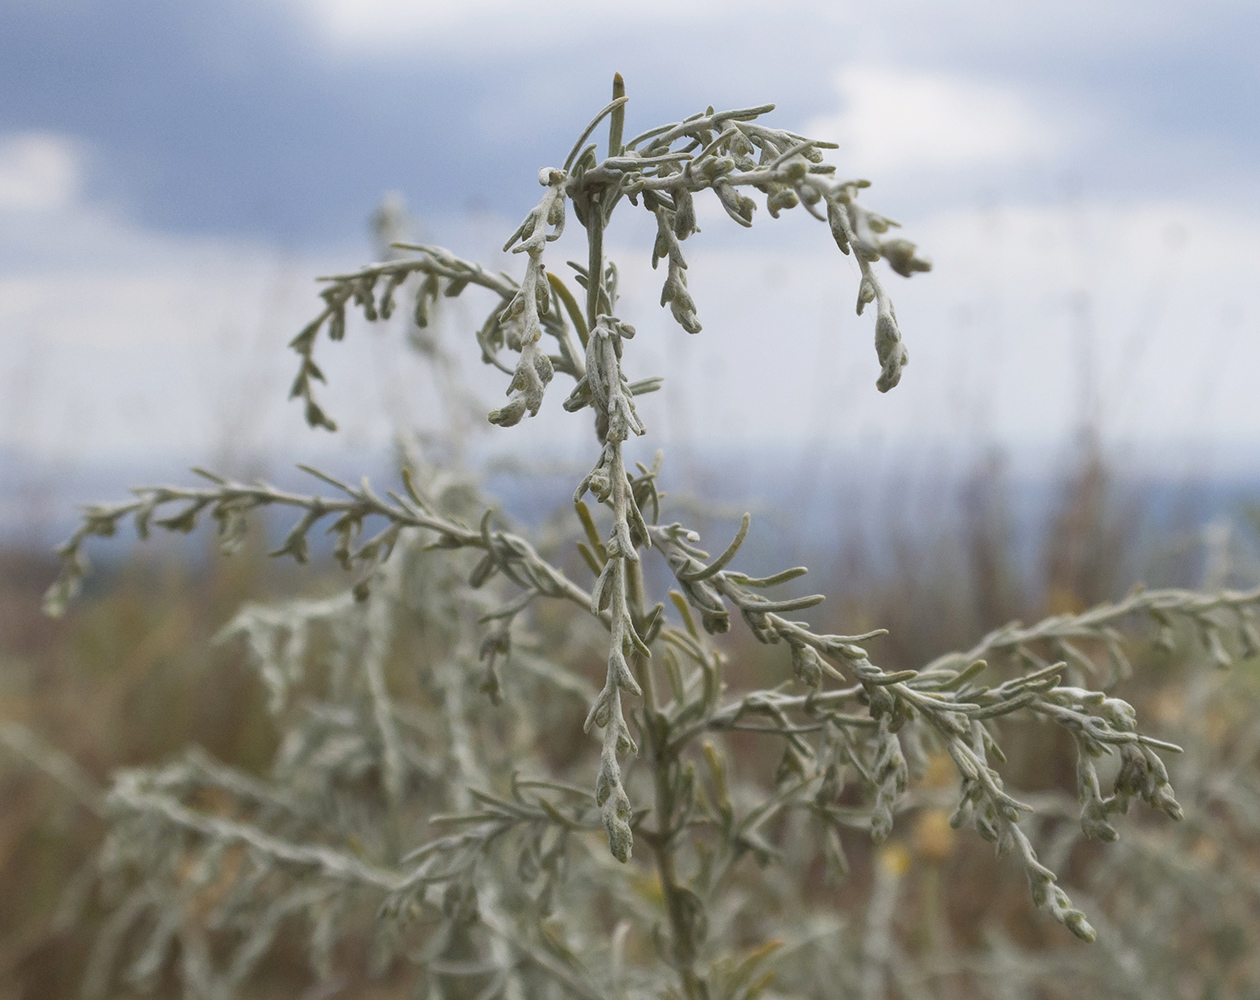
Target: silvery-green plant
(417,782)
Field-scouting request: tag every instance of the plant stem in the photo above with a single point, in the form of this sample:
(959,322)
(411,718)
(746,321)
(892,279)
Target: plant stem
(662,757)
(655,728)
(596,219)
(617,121)
(595,258)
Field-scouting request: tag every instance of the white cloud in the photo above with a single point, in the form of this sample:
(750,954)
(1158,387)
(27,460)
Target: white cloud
(801,27)
(1144,313)
(893,120)
(39,171)
(478,25)
(122,343)
(119,339)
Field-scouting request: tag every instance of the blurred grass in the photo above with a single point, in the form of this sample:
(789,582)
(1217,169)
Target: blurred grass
(132,676)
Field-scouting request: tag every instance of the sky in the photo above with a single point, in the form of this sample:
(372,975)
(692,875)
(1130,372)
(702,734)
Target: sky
(1084,176)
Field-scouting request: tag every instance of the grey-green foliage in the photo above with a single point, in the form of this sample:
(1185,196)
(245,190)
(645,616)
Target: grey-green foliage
(512,896)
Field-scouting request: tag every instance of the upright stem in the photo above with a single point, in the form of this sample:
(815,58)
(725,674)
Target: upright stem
(663,850)
(595,258)
(657,742)
(595,227)
(656,735)
(617,121)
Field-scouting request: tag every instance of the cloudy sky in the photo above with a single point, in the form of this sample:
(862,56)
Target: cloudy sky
(1085,177)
